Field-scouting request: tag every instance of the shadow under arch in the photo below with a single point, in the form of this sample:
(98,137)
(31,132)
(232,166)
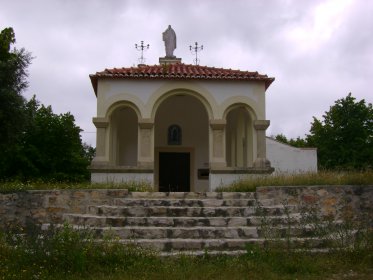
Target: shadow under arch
(240,135)
(121,104)
(123,133)
(244,106)
(181,91)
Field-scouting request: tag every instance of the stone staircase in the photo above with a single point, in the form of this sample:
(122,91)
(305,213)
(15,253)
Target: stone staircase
(193,222)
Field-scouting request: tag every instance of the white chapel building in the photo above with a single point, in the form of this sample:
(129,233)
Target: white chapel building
(186,127)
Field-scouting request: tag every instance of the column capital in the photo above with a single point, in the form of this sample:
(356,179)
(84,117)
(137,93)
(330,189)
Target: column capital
(261,124)
(146,123)
(218,124)
(100,122)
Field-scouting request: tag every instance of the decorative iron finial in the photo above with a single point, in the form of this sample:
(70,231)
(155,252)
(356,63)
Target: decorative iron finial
(195,51)
(142,48)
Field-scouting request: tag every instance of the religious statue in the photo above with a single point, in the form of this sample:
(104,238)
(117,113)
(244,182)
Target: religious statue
(169,38)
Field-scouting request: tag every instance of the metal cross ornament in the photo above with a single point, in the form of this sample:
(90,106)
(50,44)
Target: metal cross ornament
(142,48)
(195,51)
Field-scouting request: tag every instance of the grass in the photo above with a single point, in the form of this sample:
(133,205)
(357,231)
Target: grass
(16,186)
(62,253)
(308,179)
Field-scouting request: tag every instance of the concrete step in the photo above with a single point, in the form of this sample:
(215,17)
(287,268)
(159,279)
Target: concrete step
(192,195)
(174,211)
(176,232)
(151,232)
(147,202)
(115,221)
(188,244)
(202,253)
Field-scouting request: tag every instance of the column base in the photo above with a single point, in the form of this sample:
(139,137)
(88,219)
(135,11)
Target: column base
(146,164)
(262,163)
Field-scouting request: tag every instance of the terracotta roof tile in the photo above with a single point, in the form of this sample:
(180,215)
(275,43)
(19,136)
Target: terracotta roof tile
(179,71)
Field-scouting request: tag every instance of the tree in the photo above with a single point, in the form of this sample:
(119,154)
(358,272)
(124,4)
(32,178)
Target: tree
(298,142)
(344,138)
(51,146)
(13,74)
(35,143)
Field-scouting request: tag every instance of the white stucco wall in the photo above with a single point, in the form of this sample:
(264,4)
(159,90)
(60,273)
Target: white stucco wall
(288,159)
(219,94)
(221,180)
(146,178)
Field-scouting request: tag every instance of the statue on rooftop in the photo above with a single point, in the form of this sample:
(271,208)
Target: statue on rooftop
(169,38)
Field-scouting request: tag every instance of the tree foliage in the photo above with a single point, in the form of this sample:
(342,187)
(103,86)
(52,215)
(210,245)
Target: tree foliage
(51,147)
(35,143)
(13,80)
(298,142)
(344,137)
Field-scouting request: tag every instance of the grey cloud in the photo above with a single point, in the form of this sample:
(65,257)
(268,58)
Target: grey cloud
(72,39)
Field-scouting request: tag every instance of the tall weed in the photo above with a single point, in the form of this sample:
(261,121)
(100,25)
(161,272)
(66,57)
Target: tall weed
(307,179)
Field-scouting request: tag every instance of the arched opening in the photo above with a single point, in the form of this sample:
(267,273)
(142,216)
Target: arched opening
(124,133)
(182,158)
(239,138)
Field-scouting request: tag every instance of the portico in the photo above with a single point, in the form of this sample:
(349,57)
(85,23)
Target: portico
(208,121)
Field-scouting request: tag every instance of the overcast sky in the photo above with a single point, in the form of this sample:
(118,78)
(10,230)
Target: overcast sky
(318,51)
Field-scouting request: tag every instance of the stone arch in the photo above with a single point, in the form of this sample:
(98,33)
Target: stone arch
(123,133)
(117,100)
(245,106)
(121,104)
(179,92)
(187,112)
(240,135)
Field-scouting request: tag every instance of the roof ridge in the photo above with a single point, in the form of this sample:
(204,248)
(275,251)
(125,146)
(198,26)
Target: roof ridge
(182,71)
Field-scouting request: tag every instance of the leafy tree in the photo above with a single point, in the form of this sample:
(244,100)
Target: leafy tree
(35,143)
(51,146)
(281,138)
(13,74)
(344,138)
(298,142)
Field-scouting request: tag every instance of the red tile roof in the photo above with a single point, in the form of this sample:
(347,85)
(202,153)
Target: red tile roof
(179,71)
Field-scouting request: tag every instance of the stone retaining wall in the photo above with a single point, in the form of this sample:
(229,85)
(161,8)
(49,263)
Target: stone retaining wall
(336,201)
(39,207)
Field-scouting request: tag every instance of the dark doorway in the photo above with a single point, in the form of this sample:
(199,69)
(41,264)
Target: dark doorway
(174,172)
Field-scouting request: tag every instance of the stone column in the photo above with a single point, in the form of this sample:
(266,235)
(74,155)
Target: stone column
(101,127)
(261,162)
(218,156)
(145,150)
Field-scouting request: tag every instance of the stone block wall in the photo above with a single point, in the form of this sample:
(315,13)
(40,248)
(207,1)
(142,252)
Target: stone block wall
(48,206)
(39,207)
(335,201)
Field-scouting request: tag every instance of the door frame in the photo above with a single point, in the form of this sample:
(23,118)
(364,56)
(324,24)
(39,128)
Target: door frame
(174,150)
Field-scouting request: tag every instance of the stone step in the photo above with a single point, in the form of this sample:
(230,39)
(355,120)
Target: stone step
(211,232)
(202,253)
(146,202)
(176,232)
(182,245)
(193,195)
(201,232)
(115,221)
(173,211)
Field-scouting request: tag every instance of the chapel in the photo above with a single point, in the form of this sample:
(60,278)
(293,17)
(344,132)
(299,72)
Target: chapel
(182,127)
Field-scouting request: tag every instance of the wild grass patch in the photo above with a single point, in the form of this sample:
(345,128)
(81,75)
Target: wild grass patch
(64,253)
(16,186)
(307,179)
